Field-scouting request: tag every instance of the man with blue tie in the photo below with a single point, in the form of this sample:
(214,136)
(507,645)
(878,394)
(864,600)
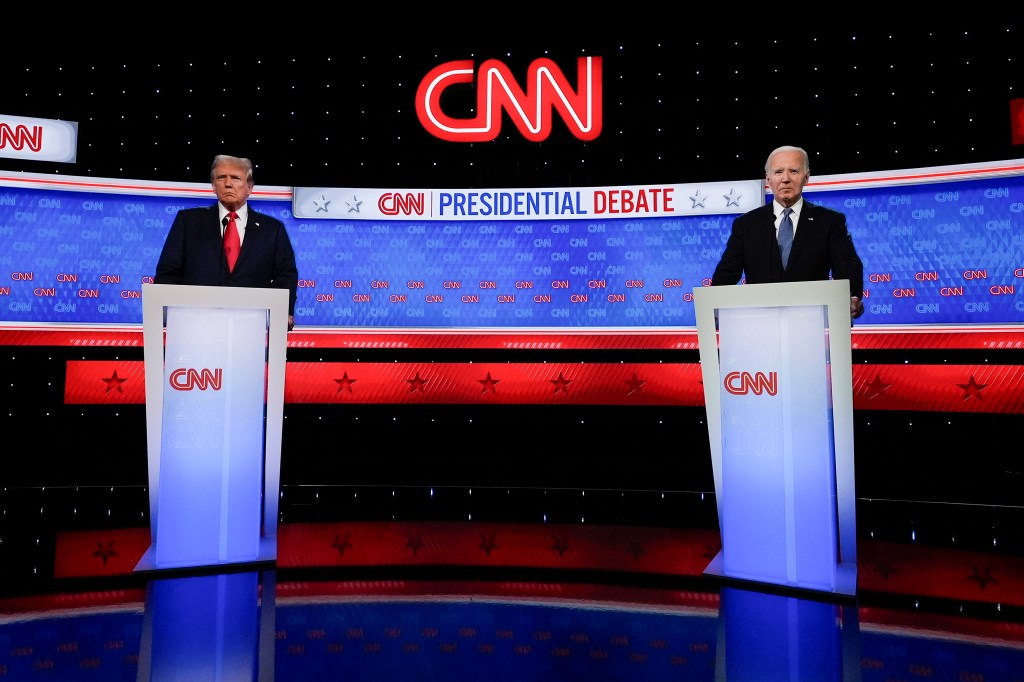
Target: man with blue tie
(229,244)
(791,239)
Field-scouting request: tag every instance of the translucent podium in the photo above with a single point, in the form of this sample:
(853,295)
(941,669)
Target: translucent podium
(763,636)
(214,411)
(209,627)
(778,386)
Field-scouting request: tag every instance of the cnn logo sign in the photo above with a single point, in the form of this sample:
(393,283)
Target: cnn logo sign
(189,379)
(745,383)
(497,91)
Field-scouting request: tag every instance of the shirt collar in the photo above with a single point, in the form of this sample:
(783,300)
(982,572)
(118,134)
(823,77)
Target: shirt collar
(243,213)
(797,207)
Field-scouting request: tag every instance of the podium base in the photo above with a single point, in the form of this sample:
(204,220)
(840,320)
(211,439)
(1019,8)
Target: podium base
(845,580)
(266,558)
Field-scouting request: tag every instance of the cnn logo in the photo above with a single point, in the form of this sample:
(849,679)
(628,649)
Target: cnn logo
(20,137)
(497,91)
(188,379)
(745,383)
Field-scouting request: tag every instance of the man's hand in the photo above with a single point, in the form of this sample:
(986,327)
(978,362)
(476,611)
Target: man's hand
(856,307)
(291,322)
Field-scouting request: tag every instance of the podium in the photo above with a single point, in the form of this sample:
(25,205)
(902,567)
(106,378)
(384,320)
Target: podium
(214,412)
(209,627)
(763,636)
(778,386)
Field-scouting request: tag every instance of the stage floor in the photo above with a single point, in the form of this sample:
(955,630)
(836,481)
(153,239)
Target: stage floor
(940,596)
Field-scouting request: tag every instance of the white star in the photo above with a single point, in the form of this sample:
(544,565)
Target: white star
(698,199)
(353,206)
(732,199)
(322,204)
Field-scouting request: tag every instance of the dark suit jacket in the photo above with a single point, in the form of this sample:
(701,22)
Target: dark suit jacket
(822,247)
(193,253)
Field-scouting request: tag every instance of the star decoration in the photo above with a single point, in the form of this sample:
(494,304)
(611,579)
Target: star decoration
(415,543)
(322,204)
(698,199)
(732,199)
(353,206)
(636,550)
(561,383)
(487,544)
(344,383)
(561,545)
(105,552)
(635,384)
(982,576)
(488,384)
(876,387)
(884,568)
(341,544)
(972,389)
(114,382)
(416,383)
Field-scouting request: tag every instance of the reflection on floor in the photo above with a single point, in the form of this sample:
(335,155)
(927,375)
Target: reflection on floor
(248,626)
(449,599)
(987,581)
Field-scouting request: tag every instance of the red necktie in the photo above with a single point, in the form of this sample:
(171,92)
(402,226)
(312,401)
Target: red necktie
(232,244)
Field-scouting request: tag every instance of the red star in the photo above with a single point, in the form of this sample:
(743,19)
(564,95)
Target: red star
(884,568)
(416,384)
(488,384)
(636,550)
(487,544)
(105,552)
(972,389)
(344,383)
(114,382)
(561,383)
(982,576)
(561,545)
(341,543)
(876,387)
(634,384)
(415,542)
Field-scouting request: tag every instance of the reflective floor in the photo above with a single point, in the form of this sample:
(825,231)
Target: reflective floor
(249,626)
(444,599)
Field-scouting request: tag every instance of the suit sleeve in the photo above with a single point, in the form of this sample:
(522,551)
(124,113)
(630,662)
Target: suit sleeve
(286,273)
(170,266)
(846,263)
(730,266)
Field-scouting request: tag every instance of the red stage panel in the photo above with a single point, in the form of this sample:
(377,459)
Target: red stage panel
(506,383)
(996,389)
(92,553)
(884,567)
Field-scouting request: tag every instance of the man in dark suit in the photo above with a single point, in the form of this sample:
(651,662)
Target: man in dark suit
(821,244)
(194,251)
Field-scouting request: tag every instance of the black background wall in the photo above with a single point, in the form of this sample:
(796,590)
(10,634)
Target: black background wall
(705,99)
(336,108)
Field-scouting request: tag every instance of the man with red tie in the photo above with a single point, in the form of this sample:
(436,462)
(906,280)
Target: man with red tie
(229,244)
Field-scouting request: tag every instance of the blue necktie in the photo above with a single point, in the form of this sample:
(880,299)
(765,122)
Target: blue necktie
(786,235)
